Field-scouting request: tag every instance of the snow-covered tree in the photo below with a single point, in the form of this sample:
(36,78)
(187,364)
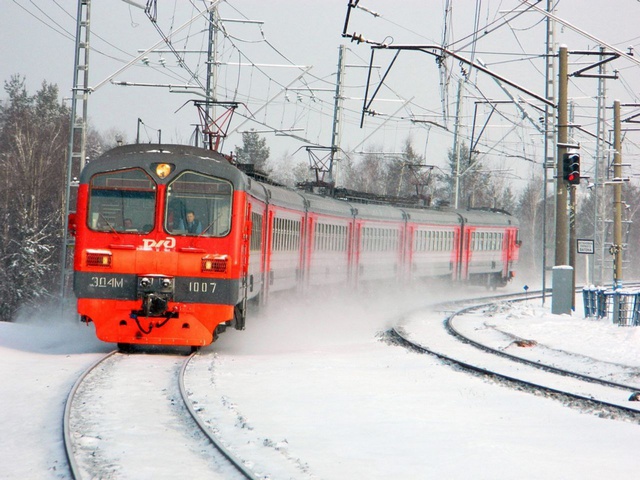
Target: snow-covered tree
(288,171)
(34,132)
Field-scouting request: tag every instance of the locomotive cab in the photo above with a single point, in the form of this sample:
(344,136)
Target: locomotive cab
(160,249)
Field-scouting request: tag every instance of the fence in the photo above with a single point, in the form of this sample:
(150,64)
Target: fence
(622,307)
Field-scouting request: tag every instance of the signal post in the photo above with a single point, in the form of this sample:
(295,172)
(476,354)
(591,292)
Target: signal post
(571,176)
(567,177)
(562,298)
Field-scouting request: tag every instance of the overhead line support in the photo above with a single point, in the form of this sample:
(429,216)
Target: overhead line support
(76,151)
(440,53)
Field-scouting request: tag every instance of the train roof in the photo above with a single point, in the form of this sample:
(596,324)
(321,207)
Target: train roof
(328,205)
(285,197)
(430,215)
(378,212)
(488,217)
(184,157)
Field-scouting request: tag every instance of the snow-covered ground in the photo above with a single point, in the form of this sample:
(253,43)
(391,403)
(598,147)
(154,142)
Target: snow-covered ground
(310,391)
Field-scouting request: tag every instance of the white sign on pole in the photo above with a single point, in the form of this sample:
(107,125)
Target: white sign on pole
(585,246)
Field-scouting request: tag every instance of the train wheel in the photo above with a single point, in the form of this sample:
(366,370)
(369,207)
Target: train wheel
(124,347)
(195,349)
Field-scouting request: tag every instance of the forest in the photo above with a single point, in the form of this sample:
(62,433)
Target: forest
(34,137)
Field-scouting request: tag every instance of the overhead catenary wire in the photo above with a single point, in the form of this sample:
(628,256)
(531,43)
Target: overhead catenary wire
(317,103)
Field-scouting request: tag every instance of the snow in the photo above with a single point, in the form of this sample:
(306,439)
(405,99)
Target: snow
(310,391)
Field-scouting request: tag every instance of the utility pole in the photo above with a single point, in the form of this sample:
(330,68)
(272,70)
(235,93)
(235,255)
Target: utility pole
(563,297)
(212,62)
(336,137)
(76,151)
(562,231)
(597,266)
(616,248)
(456,144)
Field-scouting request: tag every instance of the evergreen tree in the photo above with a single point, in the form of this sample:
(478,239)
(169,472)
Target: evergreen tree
(474,183)
(403,172)
(507,200)
(254,150)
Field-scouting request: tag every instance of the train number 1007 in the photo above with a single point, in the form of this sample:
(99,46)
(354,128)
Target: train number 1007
(202,287)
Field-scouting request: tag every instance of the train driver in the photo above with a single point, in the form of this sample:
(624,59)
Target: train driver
(193,225)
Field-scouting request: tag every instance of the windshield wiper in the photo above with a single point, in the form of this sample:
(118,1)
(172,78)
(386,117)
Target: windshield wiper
(108,223)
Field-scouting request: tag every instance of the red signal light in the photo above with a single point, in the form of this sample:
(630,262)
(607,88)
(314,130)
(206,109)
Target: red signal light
(571,168)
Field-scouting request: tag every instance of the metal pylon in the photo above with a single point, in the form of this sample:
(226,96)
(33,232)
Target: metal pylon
(76,152)
(549,137)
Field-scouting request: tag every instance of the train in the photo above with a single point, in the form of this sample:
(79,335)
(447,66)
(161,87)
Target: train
(172,242)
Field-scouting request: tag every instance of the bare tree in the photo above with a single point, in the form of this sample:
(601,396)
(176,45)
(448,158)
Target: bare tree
(369,174)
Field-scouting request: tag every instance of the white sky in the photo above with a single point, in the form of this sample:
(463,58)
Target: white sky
(307,33)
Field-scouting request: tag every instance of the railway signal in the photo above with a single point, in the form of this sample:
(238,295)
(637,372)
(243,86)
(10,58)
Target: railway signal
(571,168)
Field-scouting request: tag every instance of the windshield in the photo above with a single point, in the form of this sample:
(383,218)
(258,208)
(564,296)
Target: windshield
(198,205)
(122,201)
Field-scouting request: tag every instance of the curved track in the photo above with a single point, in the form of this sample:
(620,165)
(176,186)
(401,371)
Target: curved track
(591,393)
(450,325)
(237,463)
(123,419)
(66,428)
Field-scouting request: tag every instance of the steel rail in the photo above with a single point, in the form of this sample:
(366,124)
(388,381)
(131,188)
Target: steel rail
(66,431)
(449,326)
(236,462)
(397,335)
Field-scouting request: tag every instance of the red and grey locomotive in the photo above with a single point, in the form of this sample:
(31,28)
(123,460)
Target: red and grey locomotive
(172,241)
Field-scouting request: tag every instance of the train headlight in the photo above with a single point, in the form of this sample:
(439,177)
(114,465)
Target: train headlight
(216,264)
(145,282)
(163,169)
(166,283)
(98,258)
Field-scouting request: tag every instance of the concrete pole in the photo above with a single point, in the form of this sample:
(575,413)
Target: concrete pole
(562,230)
(456,146)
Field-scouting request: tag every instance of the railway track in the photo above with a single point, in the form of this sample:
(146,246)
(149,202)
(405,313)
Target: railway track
(129,416)
(455,342)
